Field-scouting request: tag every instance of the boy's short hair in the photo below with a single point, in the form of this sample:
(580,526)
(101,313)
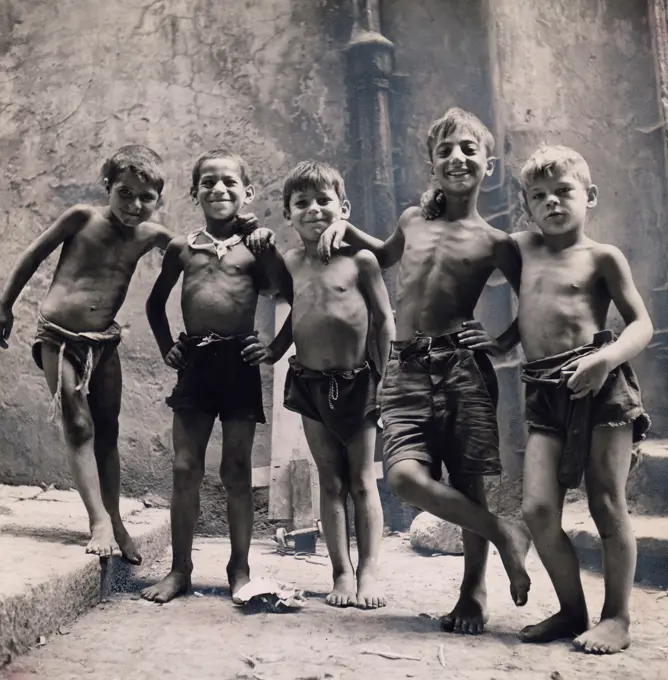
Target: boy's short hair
(550,160)
(222,154)
(313,175)
(456,118)
(140,161)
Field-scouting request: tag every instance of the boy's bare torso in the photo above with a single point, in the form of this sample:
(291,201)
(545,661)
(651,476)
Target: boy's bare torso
(442,273)
(94,271)
(219,295)
(330,317)
(563,298)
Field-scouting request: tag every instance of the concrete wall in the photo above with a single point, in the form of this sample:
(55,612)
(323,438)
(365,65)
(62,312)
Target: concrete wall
(266,77)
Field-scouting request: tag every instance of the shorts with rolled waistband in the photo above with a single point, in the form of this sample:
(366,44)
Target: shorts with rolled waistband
(340,400)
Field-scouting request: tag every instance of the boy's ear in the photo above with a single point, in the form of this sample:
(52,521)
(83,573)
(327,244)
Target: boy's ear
(193,195)
(106,185)
(345,209)
(250,193)
(592,196)
(491,165)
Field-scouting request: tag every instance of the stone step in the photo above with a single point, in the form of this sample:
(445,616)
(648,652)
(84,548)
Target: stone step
(647,488)
(651,534)
(46,578)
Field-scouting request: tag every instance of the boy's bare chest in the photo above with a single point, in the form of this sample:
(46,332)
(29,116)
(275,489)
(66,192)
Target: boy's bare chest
(102,252)
(321,282)
(237,262)
(559,276)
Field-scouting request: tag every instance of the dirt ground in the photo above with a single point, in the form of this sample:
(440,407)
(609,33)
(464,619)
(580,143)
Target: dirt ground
(205,636)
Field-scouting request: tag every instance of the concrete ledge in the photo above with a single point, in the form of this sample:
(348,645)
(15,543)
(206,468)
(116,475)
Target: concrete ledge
(46,578)
(651,534)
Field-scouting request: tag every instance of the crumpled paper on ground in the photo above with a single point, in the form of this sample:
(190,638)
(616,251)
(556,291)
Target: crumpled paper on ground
(272,593)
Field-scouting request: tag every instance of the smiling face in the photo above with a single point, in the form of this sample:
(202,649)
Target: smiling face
(312,209)
(221,191)
(132,200)
(558,203)
(459,161)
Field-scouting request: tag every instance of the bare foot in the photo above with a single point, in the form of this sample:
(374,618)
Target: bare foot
(609,636)
(469,615)
(102,542)
(560,626)
(343,592)
(174,584)
(513,555)
(237,577)
(129,552)
(369,595)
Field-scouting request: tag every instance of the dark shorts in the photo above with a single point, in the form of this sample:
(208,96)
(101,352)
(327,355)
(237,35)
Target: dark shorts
(216,380)
(340,400)
(438,406)
(549,406)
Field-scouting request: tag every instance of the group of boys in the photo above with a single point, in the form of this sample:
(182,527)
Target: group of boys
(428,372)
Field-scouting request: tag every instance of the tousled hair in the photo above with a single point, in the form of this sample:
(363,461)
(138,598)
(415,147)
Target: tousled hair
(312,175)
(454,119)
(141,161)
(548,161)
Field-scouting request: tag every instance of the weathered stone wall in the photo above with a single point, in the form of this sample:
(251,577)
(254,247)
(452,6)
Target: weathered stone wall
(266,77)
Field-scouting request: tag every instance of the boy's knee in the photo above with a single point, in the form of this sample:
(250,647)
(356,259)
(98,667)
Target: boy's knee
(402,480)
(537,514)
(78,428)
(363,487)
(106,429)
(187,471)
(608,512)
(236,477)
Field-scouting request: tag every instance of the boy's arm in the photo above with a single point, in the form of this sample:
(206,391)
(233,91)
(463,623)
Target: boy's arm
(387,253)
(162,237)
(639,329)
(373,288)
(507,259)
(157,301)
(68,224)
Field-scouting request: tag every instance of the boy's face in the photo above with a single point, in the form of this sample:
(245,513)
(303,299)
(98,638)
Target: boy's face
(221,191)
(132,200)
(313,210)
(558,204)
(459,162)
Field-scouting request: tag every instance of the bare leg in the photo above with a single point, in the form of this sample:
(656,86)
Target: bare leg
(236,474)
(470,612)
(79,432)
(191,432)
(411,481)
(330,458)
(104,401)
(607,470)
(368,515)
(542,505)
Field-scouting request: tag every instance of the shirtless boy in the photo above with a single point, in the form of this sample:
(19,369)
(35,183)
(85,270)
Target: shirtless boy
(332,380)
(439,392)
(77,337)
(583,404)
(217,360)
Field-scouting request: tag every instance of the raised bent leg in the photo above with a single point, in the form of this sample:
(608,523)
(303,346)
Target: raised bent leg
(607,471)
(191,432)
(236,474)
(330,458)
(78,429)
(470,613)
(411,481)
(368,515)
(104,401)
(542,506)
